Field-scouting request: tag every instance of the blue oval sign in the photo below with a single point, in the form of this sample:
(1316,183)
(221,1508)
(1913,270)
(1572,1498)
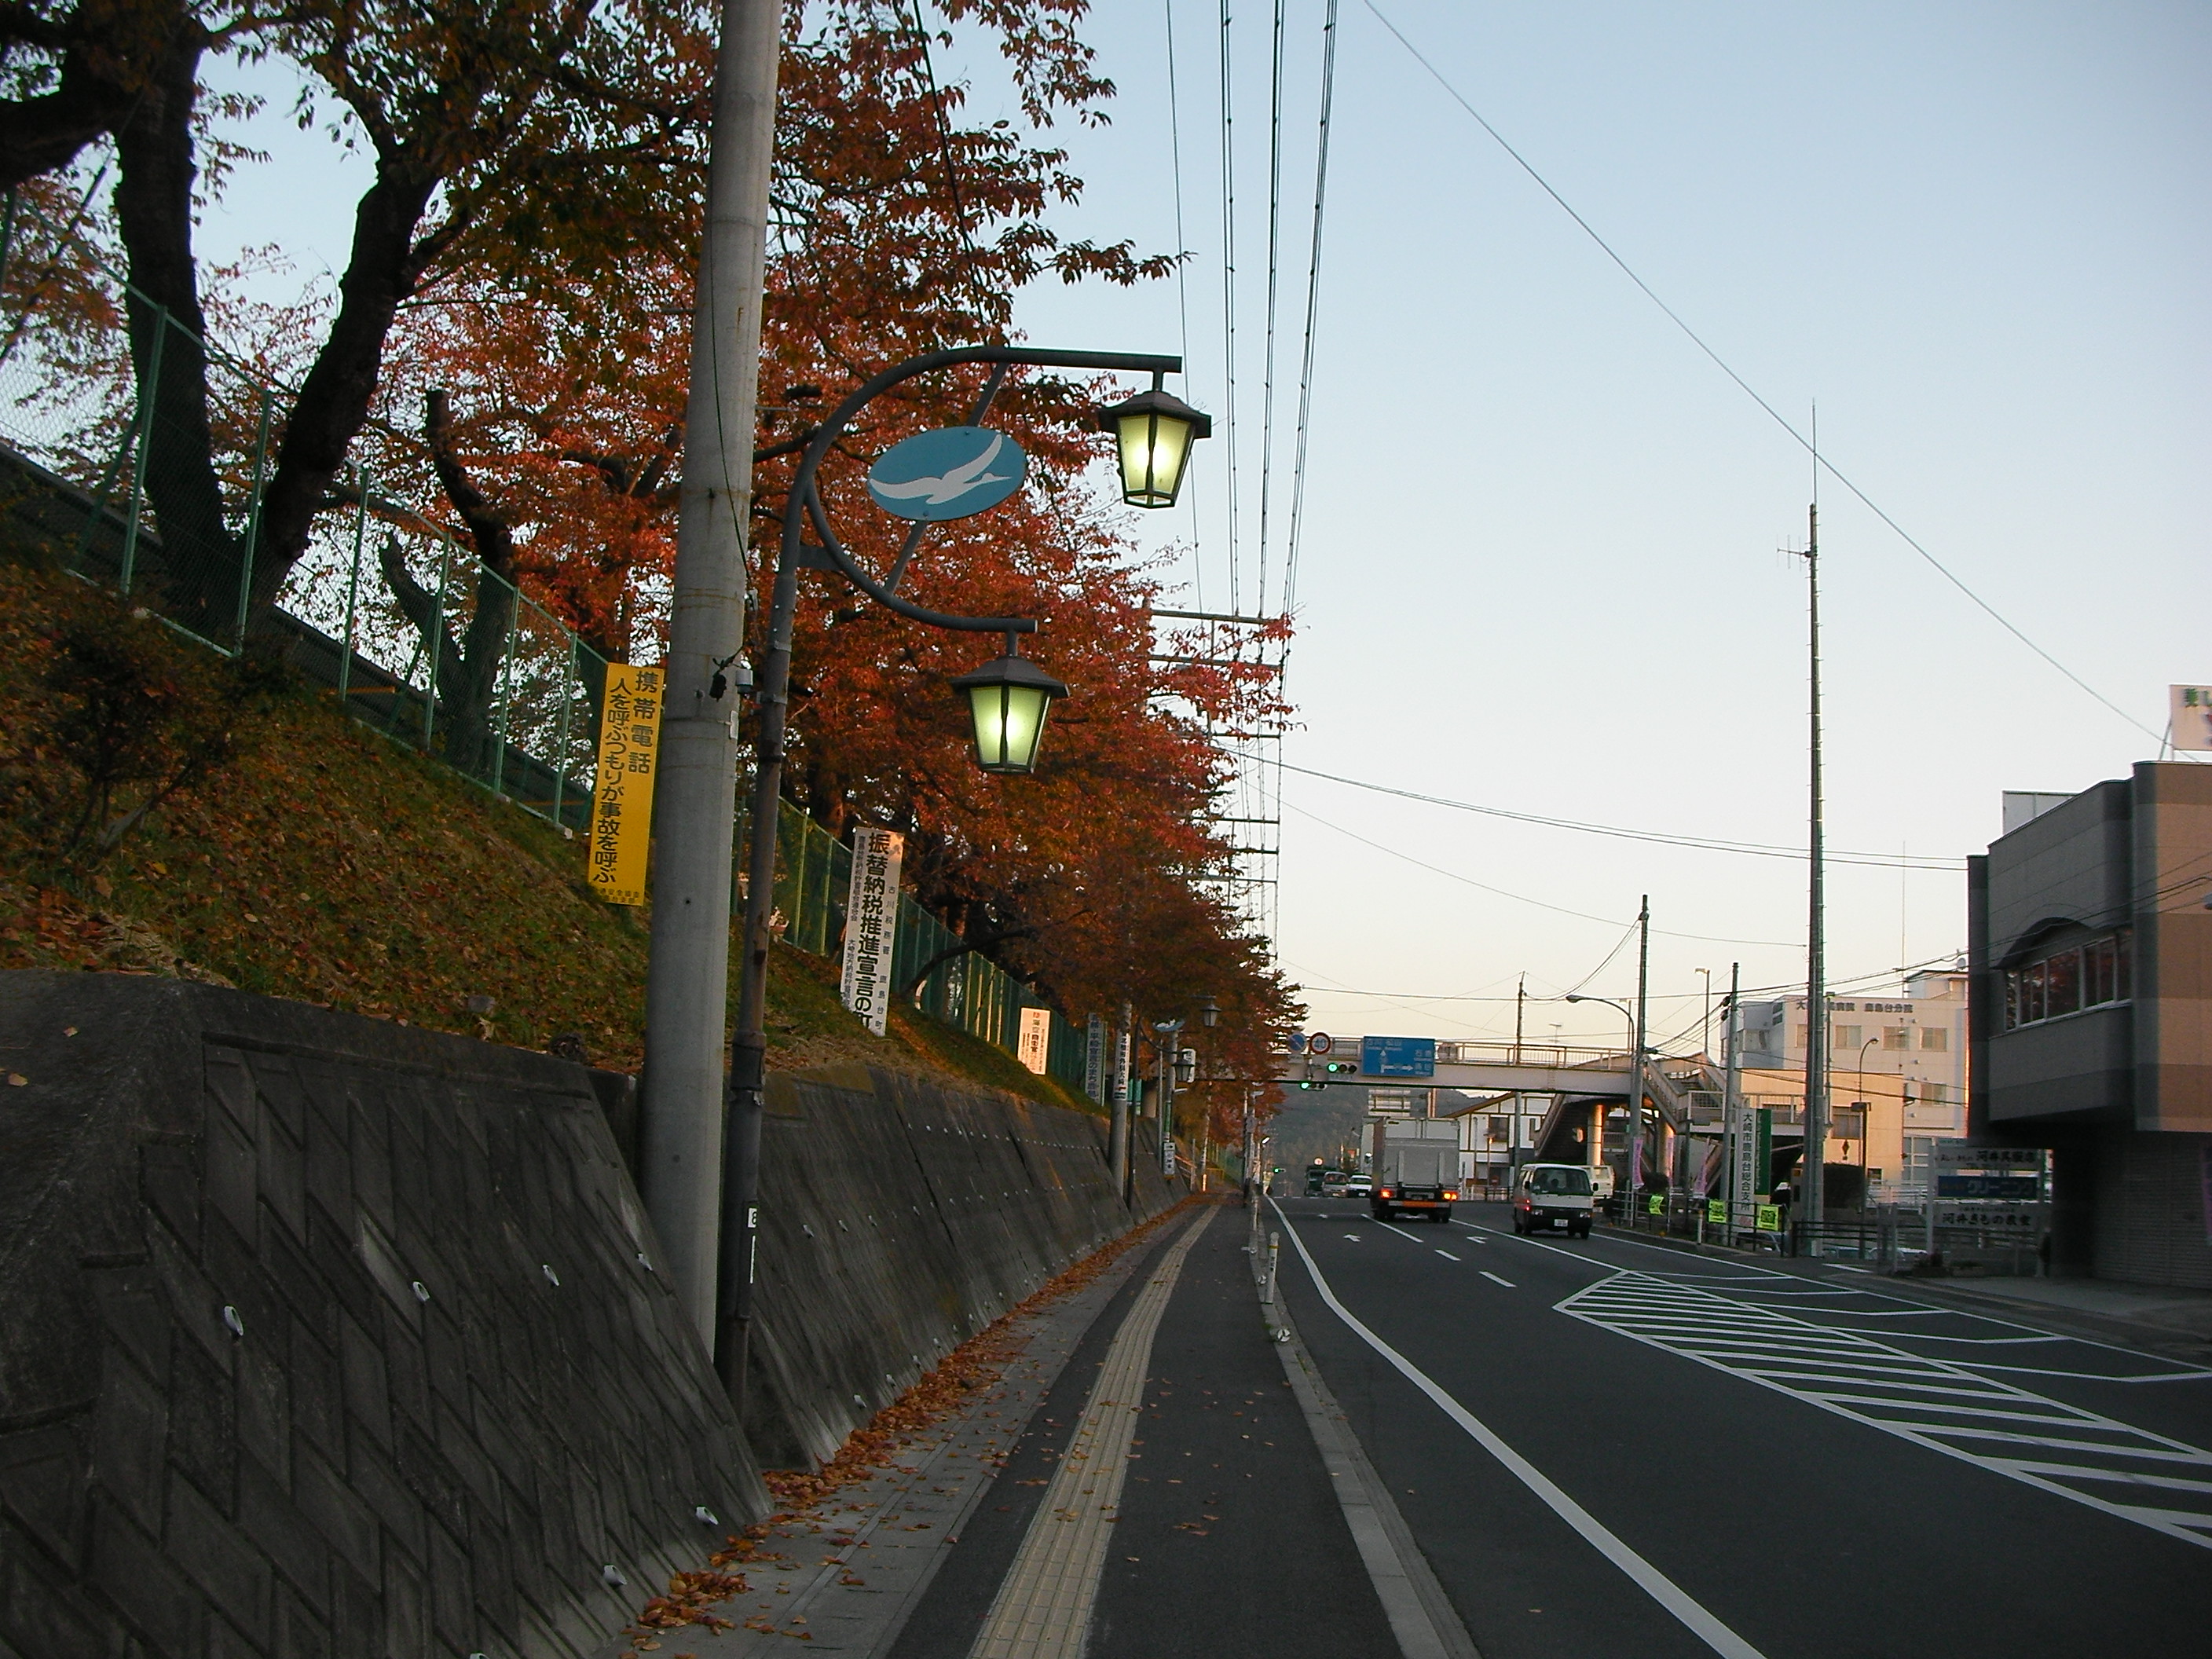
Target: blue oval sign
(947,474)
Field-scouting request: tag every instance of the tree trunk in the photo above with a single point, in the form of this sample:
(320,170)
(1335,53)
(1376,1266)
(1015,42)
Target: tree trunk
(199,566)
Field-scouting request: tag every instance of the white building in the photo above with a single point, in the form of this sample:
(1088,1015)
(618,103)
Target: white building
(1920,1037)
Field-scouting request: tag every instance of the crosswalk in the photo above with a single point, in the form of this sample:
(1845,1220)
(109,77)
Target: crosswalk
(2165,1485)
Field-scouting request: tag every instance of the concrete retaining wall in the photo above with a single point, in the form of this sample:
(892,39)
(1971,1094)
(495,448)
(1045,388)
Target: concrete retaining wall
(898,1218)
(229,1422)
(324,1336)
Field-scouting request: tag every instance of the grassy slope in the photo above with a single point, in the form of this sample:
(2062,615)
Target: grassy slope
(334,867)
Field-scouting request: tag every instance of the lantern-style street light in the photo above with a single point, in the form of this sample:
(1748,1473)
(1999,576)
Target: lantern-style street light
(1008,701)
(1152,433)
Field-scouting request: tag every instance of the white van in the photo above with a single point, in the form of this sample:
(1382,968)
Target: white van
(1545,1193)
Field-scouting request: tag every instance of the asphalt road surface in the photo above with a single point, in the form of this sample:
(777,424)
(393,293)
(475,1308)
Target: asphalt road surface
(1610,1446)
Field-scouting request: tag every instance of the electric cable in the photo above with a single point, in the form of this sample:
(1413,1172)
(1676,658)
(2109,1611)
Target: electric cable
(1665,838)
(1313,301)
(1523,898)
(1229,298)
(1183,291)
(1820,462)
(1274,262)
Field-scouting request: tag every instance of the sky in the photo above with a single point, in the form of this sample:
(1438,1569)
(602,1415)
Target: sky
(1548,554)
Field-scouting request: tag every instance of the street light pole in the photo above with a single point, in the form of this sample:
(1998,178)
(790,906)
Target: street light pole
(1147,426)
(1635,1079)
(681,1100)
(1812,1189)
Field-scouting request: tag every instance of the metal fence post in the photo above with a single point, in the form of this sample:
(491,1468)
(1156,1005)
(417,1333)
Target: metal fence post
(353,581)
(561,748)
(505,679)
(146,394)
(437,642)
(254,522)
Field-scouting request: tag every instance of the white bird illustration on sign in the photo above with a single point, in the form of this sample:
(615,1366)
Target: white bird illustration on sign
(949,486)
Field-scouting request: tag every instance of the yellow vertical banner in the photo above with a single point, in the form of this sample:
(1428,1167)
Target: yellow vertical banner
(622,795)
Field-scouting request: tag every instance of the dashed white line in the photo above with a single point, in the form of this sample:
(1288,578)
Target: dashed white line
(1495,1280)
(1447,1255)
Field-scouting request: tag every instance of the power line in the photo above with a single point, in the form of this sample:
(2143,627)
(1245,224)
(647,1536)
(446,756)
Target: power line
(1312,303)
(1820,461)
(1183,291)
(1275,253)
(1701,843)
(1229,295)
(1523,898)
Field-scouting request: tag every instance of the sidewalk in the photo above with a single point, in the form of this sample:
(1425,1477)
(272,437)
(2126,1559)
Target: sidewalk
(2166,1310)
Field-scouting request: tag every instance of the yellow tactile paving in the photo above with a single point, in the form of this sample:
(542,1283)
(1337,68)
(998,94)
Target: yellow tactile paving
(1044,1608)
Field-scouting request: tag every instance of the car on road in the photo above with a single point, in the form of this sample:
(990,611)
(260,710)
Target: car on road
(1546,1195)
(1332,1185)
(1357,1186)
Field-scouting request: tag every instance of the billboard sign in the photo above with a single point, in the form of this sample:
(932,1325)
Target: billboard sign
(2192,712)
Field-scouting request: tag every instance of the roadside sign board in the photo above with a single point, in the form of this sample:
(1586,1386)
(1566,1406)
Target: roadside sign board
(1716,1213)
(621,791)
(2022,1219)
(1770,1218)
(2024,1160)
(1320,1043)
(1385,1056)
(1655,1205)
(2019,1189)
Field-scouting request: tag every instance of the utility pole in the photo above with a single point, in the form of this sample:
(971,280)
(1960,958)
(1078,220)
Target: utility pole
(1636,1062)
(1810,1194)
(1125,1066)
(682,1105)
(1730,1128)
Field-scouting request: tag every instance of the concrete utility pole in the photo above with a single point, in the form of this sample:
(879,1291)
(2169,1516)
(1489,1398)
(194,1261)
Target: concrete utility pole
(1810,1191)
(1636,1064)
(682,1101)
(1125,1066)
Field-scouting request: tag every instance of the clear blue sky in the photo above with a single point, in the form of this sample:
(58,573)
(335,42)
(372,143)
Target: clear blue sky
(1540,568)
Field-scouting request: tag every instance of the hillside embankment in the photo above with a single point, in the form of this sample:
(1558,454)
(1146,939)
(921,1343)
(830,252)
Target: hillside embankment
(311,857)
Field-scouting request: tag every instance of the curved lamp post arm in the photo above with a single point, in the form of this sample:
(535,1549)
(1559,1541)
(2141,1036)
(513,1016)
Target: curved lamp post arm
(749,1044)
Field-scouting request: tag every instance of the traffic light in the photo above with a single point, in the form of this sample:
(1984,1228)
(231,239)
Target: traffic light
(1342,1068)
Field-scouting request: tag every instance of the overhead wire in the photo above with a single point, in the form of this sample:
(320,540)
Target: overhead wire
(1523,898)
(1182,290)
(1275,265)
(1313,306)
(1229,298)
(1820,461)
(1662,837)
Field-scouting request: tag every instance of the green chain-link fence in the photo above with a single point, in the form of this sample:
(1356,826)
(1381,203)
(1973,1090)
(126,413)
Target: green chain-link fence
(142,463)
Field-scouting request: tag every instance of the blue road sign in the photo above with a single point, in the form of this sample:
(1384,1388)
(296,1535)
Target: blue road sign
(1297,1043)
(947,474)
(2013,1187)
(1398,1056)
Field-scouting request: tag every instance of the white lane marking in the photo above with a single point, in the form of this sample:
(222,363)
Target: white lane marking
(1495,1280)
(2086,1376)
(1354,1237)
(1648,1578)
(1916,1397)
(1401,1231)
(1447,1255)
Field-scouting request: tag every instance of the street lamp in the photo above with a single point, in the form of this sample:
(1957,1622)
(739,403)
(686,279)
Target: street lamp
(1152,433)
(1008,702)
(1635,1101)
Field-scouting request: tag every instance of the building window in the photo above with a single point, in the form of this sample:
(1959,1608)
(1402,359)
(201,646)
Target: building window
(1847,1039)
(1936,1038)
(2069,980)
(1897,1036)
(1804,1038)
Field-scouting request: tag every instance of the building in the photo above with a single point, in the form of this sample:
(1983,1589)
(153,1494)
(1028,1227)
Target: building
(1919,1039)
(2090,948)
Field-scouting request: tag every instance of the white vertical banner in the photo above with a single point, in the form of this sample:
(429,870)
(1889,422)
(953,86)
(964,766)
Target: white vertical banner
(1094,1059)
(872,924)
(1033,1047)
(1743,1178)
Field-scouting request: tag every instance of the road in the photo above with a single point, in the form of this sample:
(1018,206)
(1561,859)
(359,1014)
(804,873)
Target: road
(1614,1446)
